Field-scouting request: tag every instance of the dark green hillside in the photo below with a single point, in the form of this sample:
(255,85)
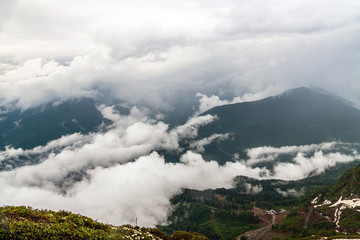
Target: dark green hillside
(316,220)
(297,117)
(227,213)
(347,186)
(39,125)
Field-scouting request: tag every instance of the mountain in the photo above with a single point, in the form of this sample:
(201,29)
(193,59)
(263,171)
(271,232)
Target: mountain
(296,117)
(348,186)
(37,126)
(299,116)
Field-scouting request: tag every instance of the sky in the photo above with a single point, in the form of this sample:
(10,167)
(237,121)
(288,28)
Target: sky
(159,52)
(155,52)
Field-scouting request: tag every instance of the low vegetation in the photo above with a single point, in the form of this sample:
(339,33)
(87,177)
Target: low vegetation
(27,223)
(211,222)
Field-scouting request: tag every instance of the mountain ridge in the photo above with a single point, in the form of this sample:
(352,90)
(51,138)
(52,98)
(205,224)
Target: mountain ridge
(37,126)
(300,118)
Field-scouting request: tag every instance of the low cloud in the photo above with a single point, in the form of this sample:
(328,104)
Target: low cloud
(121,193)
(304,160)
(314,165)
(207,103)
(117,175)
(252,189)
(199,145)
(290,192)
(266,154)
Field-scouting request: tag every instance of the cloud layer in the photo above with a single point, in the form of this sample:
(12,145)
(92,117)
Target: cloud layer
(117,175)
(154,52)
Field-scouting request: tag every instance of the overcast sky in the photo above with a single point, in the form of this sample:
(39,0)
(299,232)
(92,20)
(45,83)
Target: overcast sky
(151,51)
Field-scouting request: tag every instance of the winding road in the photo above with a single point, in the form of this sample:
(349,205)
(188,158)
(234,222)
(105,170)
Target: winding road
(267,220)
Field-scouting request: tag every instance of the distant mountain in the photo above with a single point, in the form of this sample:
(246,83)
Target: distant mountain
(37,126)
(296,117)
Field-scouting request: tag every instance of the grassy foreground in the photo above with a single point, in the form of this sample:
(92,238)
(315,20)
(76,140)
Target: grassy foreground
(27,223)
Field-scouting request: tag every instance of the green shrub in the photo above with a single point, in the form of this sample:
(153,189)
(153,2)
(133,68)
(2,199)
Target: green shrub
(181,235)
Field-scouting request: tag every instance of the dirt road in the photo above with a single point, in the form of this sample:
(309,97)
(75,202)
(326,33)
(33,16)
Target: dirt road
(266,221)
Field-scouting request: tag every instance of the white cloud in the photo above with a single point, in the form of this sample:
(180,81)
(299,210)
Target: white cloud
(117,175)
(207,103)
(68,141)
(290,192)
(143,188)
(314,165)
(253,189)
(265,154)
(199,145)
(187,131)
(130,137)
(152,53)
(120,193)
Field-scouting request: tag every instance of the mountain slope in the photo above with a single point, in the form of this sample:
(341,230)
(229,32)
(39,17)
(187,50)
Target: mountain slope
(332,211)
(297,117)
(348,185)
(309,214)
(37,126)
